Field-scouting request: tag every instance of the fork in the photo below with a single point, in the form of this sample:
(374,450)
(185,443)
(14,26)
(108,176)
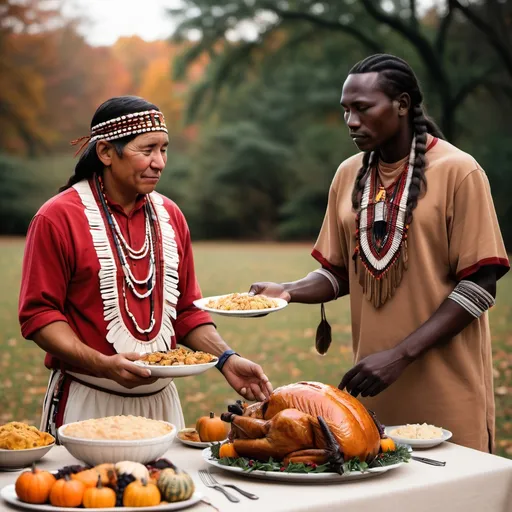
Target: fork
(206,479)
(249,495)
(432,462)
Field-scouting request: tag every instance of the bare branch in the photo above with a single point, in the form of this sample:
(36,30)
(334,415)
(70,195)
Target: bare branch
(422,45)
(501,49)
(370,43)
(443,31)
(414,16)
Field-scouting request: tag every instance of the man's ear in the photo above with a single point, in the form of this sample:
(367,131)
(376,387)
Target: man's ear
(105,150)
(404,104)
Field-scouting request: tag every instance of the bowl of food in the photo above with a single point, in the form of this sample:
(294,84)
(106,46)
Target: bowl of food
(418,435)
(117,438)
(22,444)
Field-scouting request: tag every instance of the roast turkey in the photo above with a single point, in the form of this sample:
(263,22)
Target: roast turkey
(306,422)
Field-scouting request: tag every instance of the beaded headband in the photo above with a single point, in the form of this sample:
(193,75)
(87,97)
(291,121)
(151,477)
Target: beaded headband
(122,126)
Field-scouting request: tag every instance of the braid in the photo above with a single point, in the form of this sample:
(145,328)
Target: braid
(418,171)
(395,78)
(360,181)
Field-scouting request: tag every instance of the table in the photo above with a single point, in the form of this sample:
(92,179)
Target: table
(471,482)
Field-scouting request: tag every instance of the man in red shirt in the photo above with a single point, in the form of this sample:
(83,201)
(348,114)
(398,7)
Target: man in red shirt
(108,274)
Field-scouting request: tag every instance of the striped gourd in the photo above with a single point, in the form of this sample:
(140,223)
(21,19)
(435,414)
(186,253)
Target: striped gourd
(175,485)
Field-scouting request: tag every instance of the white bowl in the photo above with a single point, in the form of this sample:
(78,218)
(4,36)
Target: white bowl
(418,443)
(98,451)
(12,459)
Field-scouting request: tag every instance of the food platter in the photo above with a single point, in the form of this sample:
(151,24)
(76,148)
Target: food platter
(245,313)
(8,494)
(417,443)
(195,444)
(185,370)
(300,478)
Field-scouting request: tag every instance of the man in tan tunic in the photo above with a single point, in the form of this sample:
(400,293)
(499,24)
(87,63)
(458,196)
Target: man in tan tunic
(411,234)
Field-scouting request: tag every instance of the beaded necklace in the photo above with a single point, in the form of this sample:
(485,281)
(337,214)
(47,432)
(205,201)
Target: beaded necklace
(124,251)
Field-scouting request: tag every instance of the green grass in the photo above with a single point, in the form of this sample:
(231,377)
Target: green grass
(282,343)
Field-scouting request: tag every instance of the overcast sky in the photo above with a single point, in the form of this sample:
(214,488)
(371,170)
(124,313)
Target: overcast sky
(107,20)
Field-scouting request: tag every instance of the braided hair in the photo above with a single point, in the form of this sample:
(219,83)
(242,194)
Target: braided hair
(397,77)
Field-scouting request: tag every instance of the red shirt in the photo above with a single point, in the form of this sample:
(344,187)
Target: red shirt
(61,281)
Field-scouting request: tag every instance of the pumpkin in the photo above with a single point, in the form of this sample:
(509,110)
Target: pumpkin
(99,496)
(107,472)
(136,469)
(211,428)
(89,477)
(67,492)
(228,450)
(34,486)
(141,494)
(387,445)
(175,485)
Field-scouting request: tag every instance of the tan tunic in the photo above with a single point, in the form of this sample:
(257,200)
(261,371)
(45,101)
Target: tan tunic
(454,232)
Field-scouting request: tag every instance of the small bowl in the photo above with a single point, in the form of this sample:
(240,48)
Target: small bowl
(418,443)
(14,459)
(98,451)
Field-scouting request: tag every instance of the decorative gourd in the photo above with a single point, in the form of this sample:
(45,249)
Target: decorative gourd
(175,485)
(99,496)
(67,493)
(387,444)
(136,469)
(107,472)
(210,428)
(89,477)
(141,494)
(34,486)
(228,450)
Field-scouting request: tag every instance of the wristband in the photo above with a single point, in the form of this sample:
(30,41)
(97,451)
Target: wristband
(224,357)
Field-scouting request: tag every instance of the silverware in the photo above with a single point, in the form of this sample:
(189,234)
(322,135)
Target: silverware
(249,495)
(206,479)
(432,462)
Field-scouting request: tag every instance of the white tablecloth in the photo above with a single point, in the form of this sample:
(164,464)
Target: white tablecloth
(471,481)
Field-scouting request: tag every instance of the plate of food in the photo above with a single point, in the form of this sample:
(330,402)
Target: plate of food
(190,437)
(178,362)
(240,304)
(22,444)
(301,473)
(418,435)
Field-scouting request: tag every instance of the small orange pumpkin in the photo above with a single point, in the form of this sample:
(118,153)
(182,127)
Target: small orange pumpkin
(67,493)
(211,428)
(34,486)
(88,477)
(228,450)
(387,444)
(99,496)
(141,494)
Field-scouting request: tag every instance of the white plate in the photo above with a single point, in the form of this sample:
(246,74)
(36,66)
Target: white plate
(184,370)
(9,495)
(300,477)
(201,304)
(197,444)
(15,459)
(417,443)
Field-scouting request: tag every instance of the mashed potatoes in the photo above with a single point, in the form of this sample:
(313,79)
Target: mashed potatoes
(417,431)
(118,428)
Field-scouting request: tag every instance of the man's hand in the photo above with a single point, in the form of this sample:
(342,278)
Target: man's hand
(121,369)
(247,378)
(374,373)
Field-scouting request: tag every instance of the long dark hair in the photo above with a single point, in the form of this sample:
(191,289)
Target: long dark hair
(89,163)
(397,77)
